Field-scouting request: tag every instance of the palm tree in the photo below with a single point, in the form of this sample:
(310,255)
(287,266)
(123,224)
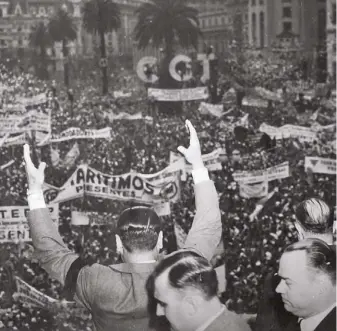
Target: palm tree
(100,17)
(167,23)
(40,41)
(62,29)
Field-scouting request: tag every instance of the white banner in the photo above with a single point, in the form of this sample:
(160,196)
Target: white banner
(121,94)
(320,165)
(287,131)
(152,189)
(256,176)
(211,161)
(79,218)
(197,93)
(163,209)
(77,133)
(32,297)
(17,140)
(14,224)
(253,102)
(32,120)
(257,190)
(6,165)
(210,109)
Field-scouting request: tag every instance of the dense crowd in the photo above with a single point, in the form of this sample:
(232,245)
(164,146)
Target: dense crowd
(251,247)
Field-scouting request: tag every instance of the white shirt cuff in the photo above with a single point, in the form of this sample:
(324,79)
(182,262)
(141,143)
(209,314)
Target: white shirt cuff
(200,175)
(36,200)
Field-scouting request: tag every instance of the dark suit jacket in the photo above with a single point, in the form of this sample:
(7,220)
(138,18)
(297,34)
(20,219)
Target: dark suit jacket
(271,315)
(328,324)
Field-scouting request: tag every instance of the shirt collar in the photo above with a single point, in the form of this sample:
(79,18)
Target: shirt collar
(310,323)
(134,267)
(204,326)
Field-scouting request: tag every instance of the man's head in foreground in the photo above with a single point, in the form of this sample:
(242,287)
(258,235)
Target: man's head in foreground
(140,236)
(308,277)
(184,285)
(314,220)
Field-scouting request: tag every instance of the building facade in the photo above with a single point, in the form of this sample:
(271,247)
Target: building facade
(295,28)
(331,38)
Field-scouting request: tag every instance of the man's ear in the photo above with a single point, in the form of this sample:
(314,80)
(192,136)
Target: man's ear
(191,304)
(119,245)
(159,245)
(299,231)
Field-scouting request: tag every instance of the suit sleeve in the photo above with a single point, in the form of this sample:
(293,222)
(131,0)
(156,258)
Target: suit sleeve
(50,251)
(206,231)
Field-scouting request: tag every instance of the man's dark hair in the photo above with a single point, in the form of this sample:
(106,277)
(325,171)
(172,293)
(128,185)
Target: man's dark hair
(320,256)
(186,269)
(138,228)
(315,216)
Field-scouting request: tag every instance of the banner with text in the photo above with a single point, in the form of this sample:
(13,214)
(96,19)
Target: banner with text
(320,165)
(148,189)
(77,133)
(32,120)
(211,162)
(210,109)
(14,224)
(258,190)
(197,93)
(256,176)
(289,131)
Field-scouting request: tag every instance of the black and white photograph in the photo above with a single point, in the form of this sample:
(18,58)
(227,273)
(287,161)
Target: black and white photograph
(168,165)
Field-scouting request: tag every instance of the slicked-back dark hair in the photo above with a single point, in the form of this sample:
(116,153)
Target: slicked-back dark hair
(320,256)
(315,216)
(138,228)
(186,269)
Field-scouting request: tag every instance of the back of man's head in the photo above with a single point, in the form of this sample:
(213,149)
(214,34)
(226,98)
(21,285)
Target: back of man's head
(186,269)
(138,228)
(314,216)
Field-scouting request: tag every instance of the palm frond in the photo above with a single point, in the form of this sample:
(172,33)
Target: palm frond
(165,22)
(101,15)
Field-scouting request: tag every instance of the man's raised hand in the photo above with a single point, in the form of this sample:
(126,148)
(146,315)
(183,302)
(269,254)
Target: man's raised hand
(35,176)
(193,152)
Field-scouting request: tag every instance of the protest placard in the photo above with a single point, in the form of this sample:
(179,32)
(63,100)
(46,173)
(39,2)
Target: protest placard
(320,165)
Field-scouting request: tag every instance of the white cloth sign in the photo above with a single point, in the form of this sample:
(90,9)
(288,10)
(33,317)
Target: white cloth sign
(320,165)
(256,176)
(258,190)
(77,133)
(287,131)
(79,218)
(209,109)
(211,161)
(149,189)
(197,93)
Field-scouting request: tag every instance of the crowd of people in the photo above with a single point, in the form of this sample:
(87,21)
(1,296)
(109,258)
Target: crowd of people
(252,247)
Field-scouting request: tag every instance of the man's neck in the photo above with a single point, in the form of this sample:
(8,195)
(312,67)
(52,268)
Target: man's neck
(211,309)
(143,257)
(328,238)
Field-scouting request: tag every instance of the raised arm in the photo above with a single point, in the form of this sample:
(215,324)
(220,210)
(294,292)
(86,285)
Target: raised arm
(51,252)
(206,231)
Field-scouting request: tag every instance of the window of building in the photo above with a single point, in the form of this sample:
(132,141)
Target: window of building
(261,2)
(253,2)
(287,26)
(286,1)
(42,11)
(333,18)
(262,29)
(287,13)
(254,27)
(222,20)
(1,14)
(18,10)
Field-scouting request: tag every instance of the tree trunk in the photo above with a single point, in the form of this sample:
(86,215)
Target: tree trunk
(105,67)
(65,62)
